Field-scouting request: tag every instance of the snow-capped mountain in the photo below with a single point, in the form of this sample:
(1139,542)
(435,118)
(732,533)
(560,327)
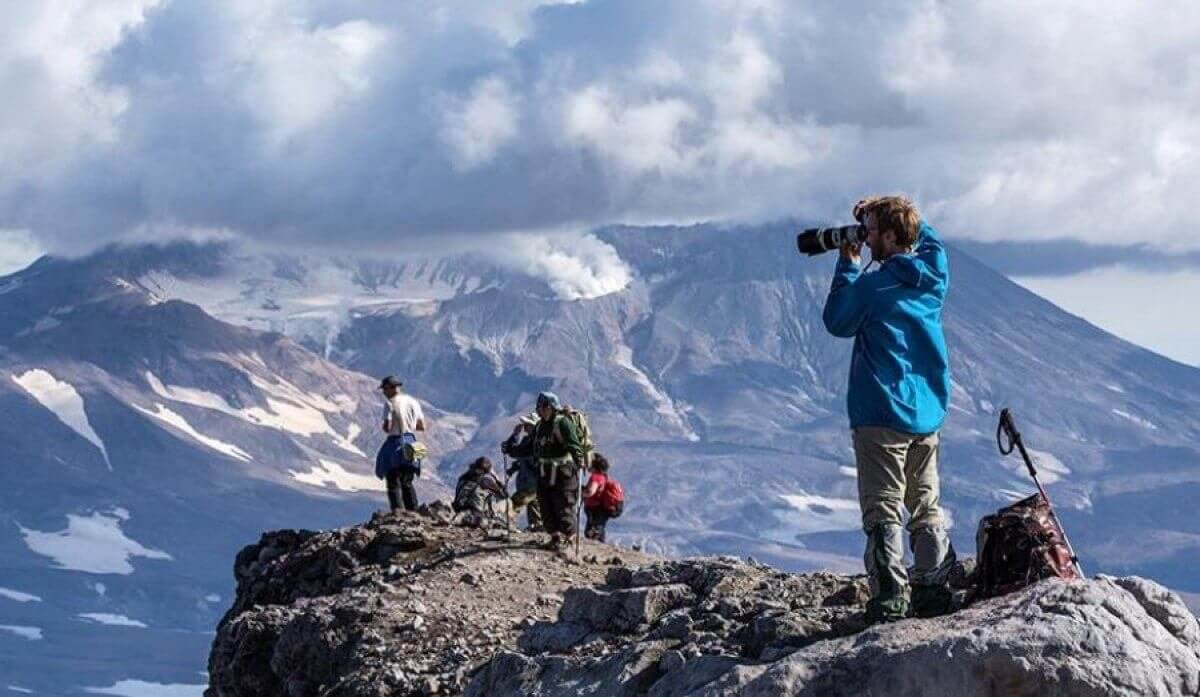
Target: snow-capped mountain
(708,378)
(713,381)
(144,443)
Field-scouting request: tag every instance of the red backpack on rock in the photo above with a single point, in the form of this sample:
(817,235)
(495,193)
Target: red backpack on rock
(613,498)
(1018,546)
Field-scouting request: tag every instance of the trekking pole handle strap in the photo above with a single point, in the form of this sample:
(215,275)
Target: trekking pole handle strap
(1008,438)
(1006,429)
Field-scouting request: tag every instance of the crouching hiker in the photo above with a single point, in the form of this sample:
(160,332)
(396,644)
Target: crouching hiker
(558,452)
(398,461)
(603,499)
(525,493)
(476,492)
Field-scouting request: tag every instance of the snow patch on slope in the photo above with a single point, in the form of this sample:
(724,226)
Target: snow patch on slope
(30,633)
(1050,468)
(808,513)
(18,596)
(290,409)
(347,443)
(663,405)
(62,399)
(177,421)
(1135,419)
(139,688)
(95,544)
(333,474)
(111,620)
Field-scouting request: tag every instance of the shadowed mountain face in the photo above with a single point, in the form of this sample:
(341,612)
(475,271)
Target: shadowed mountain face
(173,402)
(143,443)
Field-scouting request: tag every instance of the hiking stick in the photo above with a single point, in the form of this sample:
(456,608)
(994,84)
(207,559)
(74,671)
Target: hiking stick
(507,499)
(587,463)
(1008,428)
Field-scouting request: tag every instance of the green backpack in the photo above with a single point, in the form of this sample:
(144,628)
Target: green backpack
(580,422)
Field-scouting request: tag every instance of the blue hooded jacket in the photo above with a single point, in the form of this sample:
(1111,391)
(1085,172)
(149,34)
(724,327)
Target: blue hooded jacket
(899,371)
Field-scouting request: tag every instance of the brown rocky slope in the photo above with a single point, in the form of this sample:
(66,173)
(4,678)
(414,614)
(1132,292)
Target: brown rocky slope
(411,604)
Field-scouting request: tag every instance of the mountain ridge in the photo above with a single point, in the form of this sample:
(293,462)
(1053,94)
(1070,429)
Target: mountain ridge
(709,380)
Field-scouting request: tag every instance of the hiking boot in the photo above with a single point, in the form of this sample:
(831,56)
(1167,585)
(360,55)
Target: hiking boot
(555,543)
(931,601)
(880,610)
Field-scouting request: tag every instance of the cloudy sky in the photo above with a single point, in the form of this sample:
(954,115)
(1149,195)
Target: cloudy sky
(390,125)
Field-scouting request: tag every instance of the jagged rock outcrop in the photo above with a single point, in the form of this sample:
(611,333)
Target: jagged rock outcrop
(404,604)
(411,605)
(735,629)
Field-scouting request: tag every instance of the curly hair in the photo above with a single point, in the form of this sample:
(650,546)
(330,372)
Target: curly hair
(895,213)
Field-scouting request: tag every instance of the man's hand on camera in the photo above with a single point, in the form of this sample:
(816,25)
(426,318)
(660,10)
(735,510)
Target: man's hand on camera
(852,251)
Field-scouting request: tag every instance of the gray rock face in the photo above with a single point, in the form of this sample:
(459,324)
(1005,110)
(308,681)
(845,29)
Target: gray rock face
(405,604)
(386,609)
(1102,637)
(1107,636)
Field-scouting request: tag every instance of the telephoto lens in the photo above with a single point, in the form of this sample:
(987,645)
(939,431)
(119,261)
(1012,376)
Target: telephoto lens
(819,240)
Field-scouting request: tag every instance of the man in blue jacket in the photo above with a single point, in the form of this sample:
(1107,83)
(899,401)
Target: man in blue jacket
(899,392)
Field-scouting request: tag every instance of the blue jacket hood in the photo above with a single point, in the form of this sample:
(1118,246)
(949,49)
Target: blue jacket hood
(917,272)
(900,370)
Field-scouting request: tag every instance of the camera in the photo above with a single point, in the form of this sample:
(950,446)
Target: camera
(819,240)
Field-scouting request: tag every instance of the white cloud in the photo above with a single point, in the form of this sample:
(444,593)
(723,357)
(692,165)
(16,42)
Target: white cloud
(51,54)
(576,266)
(477,127)
(300,76)
(380,123)
(18,249)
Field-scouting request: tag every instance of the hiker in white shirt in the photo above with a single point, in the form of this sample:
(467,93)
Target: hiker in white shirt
(402,419)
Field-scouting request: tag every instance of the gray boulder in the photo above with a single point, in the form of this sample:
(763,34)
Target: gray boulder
(1107,636)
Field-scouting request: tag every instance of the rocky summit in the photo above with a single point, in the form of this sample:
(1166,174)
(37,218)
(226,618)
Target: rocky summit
(412,604)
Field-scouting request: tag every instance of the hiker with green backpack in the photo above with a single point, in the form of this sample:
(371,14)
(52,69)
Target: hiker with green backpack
(560,447)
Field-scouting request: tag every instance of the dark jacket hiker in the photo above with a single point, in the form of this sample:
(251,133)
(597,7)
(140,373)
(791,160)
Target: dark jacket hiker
(477,489)
(558,453)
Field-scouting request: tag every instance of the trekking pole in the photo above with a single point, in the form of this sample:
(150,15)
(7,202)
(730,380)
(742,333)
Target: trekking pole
(1008,429)
(507,499)
(587,463)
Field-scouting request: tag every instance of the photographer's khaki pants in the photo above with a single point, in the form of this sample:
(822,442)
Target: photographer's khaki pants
(895,470)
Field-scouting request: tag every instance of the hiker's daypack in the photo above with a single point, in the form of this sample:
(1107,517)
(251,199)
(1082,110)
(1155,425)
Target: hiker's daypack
(613,498)
(414,452)
(409,453)
(470,495)
(1019,545)
(402,452)
(584,433)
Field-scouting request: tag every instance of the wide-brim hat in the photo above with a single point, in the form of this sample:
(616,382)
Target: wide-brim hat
(390,381)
